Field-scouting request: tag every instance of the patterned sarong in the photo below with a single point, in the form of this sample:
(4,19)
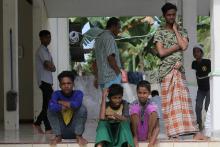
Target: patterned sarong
(177,105)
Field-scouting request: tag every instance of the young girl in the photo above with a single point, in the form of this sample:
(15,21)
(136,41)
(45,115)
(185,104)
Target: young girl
(144,117)
(114,126)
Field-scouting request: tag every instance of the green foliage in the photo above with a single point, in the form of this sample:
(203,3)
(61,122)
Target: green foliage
(203,34)
(138,53)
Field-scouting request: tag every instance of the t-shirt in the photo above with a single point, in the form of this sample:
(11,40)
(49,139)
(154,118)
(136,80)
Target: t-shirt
(123,110)
(203,68)
(168,39)
(42,55)
(105,46)
(144,113)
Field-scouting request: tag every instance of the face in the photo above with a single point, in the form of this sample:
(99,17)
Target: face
(116,29)
(170,16)
(197,53)
(45,40)
(143,94)
(66,85)
(116,101)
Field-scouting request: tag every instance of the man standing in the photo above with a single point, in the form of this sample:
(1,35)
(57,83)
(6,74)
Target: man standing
(171,40)
(44,68)
(107,55)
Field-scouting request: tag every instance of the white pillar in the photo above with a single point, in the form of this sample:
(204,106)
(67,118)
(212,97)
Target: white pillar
(215,74)
(10,22)
(189,8)
(189,14)
(40,21)
(59,46)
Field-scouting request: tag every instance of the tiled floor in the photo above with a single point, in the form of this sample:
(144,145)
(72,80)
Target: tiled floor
(26,137)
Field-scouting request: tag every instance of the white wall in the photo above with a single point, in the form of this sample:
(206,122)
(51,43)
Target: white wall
(40,21)
(1,63)
(25,43)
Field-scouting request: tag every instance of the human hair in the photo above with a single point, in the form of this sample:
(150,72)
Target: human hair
(115,89)
(113,21)
(68,74)
(154,93)
(200,48)
(44,33)
(145,84)
(168,6)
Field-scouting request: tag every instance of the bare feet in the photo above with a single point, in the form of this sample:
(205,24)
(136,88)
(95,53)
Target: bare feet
(56,140)
(150,145)
(199,136)
(48,132)
(38,129)
(81,141)
(136,142)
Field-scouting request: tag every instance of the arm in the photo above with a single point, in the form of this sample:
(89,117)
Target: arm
(182,41)
(75,102)
(103,105)
(153,128)
(112,62)
(95,72)
(165,51)
(53,103)
(49,66)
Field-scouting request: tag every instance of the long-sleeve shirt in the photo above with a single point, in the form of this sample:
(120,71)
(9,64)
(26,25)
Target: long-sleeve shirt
(75,100)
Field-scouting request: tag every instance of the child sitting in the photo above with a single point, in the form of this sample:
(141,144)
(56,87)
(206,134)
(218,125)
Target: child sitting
(114,126)
(66,113)
(144,117)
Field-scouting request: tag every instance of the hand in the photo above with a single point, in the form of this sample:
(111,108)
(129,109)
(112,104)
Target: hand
(105,93)
(118,117)
(65,104)
(177,65)
(95,83)
(110,117)
(175,26)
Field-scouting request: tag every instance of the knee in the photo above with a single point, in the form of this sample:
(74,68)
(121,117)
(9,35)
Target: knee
(198,106)
(82,112)
(153,115)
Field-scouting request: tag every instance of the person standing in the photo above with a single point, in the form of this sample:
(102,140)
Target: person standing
(202,68)
(171,40)
(44,69)
(108,65)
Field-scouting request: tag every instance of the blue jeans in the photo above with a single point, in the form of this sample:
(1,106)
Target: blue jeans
(75,127)
(117,80)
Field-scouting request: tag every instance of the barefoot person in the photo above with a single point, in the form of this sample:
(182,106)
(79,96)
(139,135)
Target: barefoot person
(114,126)
(144,117)
(44,68)
(66,113)
(171,41)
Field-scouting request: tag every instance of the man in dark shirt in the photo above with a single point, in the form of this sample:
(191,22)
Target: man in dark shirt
(202,68)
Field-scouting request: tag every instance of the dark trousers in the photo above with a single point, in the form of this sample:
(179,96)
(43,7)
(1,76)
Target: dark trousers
(47,92)
(201,95)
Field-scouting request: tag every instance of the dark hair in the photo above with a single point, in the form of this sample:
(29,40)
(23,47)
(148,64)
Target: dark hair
(66,73)
(194,50)
(168,6)
(145,84)
(154,93)
(44,33)
(113,21)
(115,89)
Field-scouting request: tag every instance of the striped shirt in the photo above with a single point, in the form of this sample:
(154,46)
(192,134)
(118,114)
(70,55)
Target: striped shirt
(43,55)
(105,45)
